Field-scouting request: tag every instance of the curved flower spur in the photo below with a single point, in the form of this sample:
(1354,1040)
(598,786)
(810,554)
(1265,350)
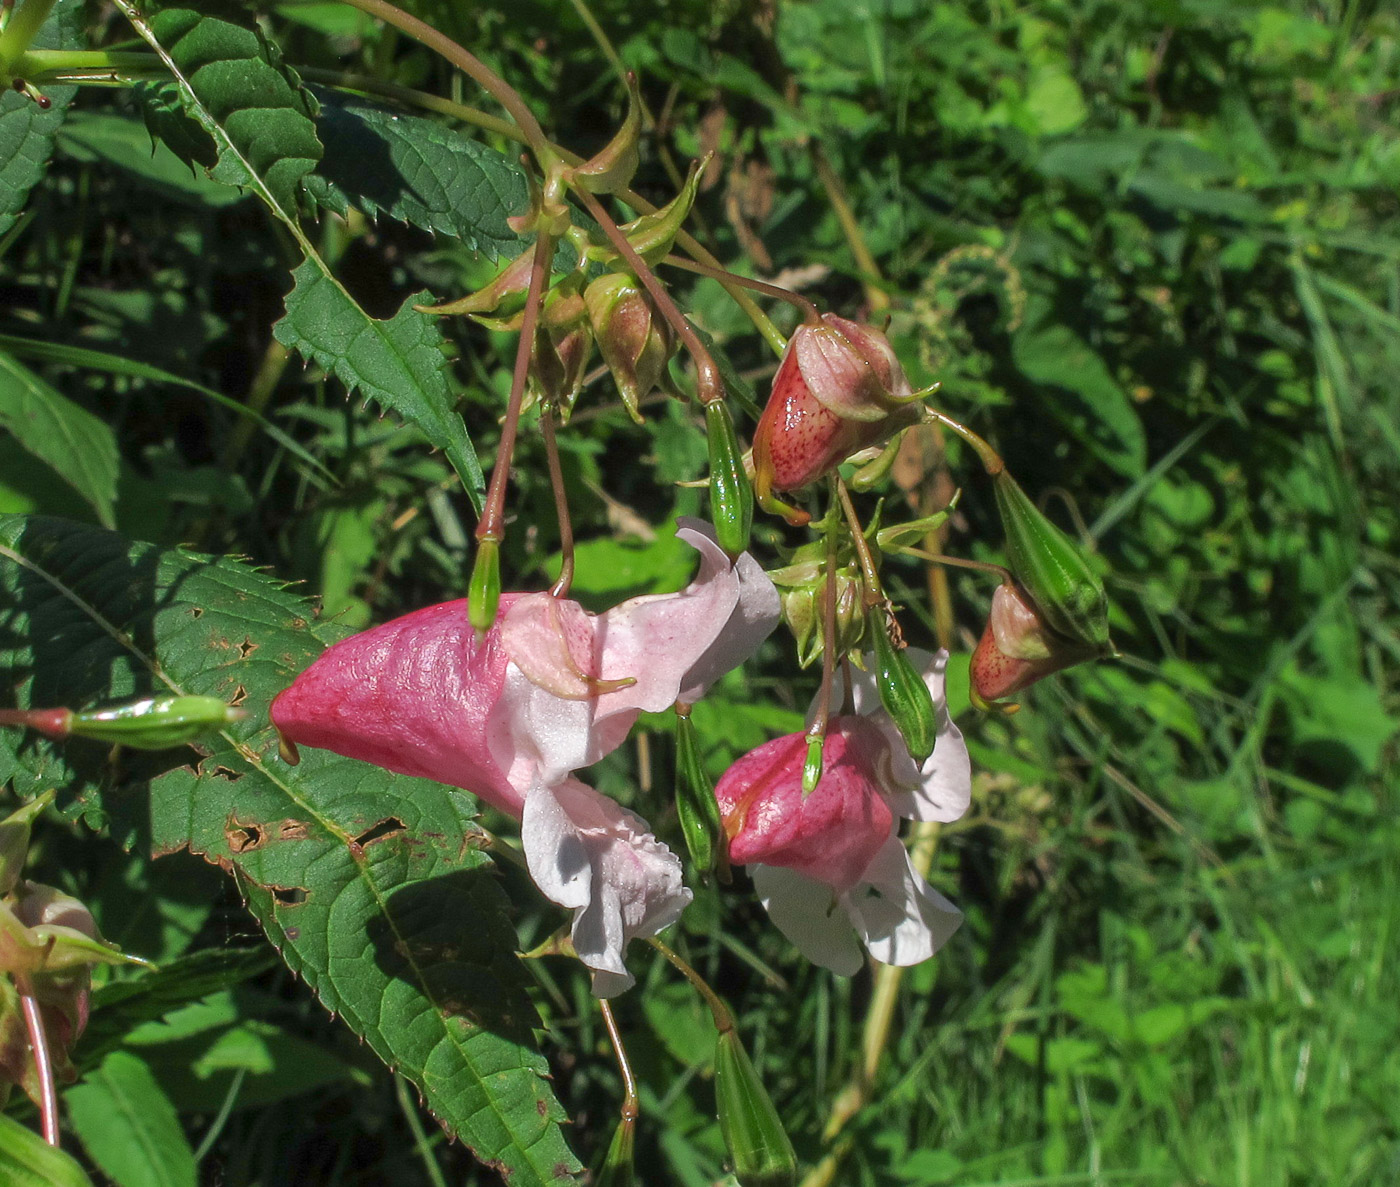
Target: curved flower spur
(548,689)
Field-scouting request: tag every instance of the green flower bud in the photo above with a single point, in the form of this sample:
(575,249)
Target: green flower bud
(758,1144)
(484,589)
(611,170)
(903,693)
(155,723)
(563,346)
(696,804)
(801,594)
(653,235)
(617,1169)
(634,342)
(1051,569)
(731,492)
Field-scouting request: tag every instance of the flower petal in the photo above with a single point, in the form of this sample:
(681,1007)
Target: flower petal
(808,914)
(591,854)
(901,918)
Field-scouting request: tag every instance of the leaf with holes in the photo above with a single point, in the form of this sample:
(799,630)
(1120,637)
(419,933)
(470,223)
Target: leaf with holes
(373,886)
(420,171)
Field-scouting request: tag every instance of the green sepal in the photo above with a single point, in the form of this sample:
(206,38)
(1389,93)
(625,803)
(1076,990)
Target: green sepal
(1052,569)
(903,693)
(155,723)
(612,168)
(696,805)
(14,839)
(758,1144)
(652,235)
(812,766)
(484,588)
(731,492)
(617,1169)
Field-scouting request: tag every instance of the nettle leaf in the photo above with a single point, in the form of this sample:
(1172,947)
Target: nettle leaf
(27,131)
(419,171)
(265,118)
(398,363)
(80,448)
(373,886)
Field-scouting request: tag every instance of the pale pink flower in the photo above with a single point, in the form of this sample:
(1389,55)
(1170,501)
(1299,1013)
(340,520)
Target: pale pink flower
(549,689)
(839,846)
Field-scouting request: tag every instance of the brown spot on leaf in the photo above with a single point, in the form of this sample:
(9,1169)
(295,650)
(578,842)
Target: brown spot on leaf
(246,648)
(289,896)
(240,694)
(196,611)
(243,837)
(377,832)
(293,830)
(228,773)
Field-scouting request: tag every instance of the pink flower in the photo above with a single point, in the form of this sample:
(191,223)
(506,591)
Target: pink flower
(549,689)
(839,846)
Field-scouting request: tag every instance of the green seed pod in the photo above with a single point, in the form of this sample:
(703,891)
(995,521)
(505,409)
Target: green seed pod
(1052,569)
(903,693)
(731,492)
(617,1169)
(758,1144)
(696,804)
(155,723)
(484,589)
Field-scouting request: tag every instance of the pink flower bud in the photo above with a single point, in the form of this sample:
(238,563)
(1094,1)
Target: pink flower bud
(1017,648)
(839,389)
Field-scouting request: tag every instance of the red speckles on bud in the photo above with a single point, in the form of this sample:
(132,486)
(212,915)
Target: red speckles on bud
(1018,648)
(839,389)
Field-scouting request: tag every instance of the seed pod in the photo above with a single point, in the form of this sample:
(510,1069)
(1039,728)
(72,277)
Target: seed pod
(617,1168)
(696,805)
(1050,567)
(903,693)
(155,723)
(731,492)
(812,766)
(758,1144)
(484,589)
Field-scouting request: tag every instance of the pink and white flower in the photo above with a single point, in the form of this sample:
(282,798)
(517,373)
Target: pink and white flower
(549,689)
(839,846)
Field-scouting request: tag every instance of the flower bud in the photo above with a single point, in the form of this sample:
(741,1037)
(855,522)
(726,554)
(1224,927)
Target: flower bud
(839,389)
(696,804)
(484,588)
(758,1144)
(634,343)
(612,168)
(652,235)
(1018,648)
(801,590)
(731,493)
(903,693)
(155,723)
(1052,570)
(563,346)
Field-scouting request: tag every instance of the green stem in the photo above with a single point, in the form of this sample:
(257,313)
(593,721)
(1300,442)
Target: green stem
(25,21)
(67,65)
(724,1020)
(560,589)
(407,95)
(991,460)
(811,314)
(870,576)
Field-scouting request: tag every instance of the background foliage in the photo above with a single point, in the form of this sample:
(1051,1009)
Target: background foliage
(1151,251)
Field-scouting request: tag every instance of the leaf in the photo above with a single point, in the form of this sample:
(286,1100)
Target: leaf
(26,130)
(265,119)
(397,363)
(372,885)
(1104,418)
(128,1125)
(26,1160)
(79,447)
(420,171)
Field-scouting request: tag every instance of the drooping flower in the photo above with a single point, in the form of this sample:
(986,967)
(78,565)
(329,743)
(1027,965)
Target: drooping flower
(549,688)
(1018,648)
(839,846)
(839,389)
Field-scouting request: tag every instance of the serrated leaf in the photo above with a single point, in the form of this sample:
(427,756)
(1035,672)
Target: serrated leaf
(26,1160)
(419,171)
(261,118)
(26,130)
(372,885)
(81,449)
(396,363)
(128,1125)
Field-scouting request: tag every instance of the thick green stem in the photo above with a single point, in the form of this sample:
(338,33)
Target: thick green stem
(25,21)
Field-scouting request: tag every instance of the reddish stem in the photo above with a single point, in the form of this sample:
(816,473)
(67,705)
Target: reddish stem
(43,1065)
(560,588)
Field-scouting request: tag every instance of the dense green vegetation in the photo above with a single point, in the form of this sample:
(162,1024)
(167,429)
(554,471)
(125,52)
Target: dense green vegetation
(1150,251)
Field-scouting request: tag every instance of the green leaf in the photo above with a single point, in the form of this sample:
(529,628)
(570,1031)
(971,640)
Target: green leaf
(266,130)
(128,1125)
(1104,418)
(372,885)
(397,363)
(79,447)
(420,171)
(26,1160)
(26,130)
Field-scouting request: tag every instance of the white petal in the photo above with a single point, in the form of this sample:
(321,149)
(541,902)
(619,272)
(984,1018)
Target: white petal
(901,918)
(589,853)
(807,913)
(542,737)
